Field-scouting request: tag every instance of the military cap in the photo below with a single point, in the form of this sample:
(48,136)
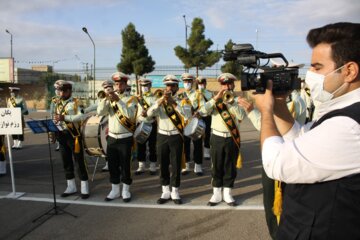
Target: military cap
(56,84)
(201,79)
(14,89)
(144,81)
(170,79)
(63,85)
(226,78)
(107,83)
(119,76)
(187,76)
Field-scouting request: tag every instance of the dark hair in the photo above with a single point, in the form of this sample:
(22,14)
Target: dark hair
(344,38)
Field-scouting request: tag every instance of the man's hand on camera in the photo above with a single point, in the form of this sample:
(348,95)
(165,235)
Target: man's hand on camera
(265,102)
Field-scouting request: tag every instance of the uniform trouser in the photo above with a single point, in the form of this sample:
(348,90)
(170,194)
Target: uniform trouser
(207,121)
(119,159)
(2,145)
(268,199)
(68,156)
(169,151)
(18,137)
(152,146)
(197,151)
(224,153)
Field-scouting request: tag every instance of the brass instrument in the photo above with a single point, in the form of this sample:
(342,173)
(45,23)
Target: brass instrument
(159,93)
(228,96)
(104,93)
(101,94)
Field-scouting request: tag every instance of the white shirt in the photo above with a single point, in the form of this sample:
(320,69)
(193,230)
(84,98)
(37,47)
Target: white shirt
(329,151)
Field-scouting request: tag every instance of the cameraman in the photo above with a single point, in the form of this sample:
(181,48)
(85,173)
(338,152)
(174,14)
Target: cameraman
(320,162)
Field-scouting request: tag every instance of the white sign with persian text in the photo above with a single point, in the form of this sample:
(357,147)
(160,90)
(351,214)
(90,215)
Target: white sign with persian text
(10,121)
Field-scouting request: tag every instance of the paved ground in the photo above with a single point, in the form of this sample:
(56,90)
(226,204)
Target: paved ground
(142,218)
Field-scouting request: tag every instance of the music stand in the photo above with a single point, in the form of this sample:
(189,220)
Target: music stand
(47,126)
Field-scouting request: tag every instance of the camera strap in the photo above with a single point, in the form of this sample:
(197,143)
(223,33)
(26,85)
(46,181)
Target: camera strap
(229,121)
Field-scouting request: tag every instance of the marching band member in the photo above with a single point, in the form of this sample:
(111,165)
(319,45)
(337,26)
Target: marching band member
(122,112)
(14,101)
(225,138)
(190,104)
(2,146)
(68,115)
(297,107)
(146,100)
(205,95)
(169,147)
(305,95)
(54,101)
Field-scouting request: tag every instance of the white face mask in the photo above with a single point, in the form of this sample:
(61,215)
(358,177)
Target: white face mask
(201,86)
(12,94)
(145,89)
(315,82)
(187,86)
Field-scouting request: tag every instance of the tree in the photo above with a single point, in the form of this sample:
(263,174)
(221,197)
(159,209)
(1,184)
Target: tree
(232,67)
(135,58)
(198,55)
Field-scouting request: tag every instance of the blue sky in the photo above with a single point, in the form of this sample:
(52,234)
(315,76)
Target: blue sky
(50,30)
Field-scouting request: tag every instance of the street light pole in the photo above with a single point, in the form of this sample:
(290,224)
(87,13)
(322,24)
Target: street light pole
(186,26)
(11,54)
(86,31)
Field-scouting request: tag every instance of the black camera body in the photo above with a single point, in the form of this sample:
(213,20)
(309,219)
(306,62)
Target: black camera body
(284,78)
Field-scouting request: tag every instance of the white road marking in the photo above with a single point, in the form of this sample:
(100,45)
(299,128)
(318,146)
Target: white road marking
(170,205)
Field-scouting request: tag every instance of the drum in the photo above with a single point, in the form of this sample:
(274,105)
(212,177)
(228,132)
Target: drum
(142,132)
(94,131)
(195,129)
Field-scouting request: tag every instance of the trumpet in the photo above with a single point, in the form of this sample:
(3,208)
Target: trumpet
(228,96)
(104,93)
(101,94)
(159,93)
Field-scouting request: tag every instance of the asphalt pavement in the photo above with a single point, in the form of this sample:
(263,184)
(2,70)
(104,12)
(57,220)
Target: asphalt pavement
(35,214)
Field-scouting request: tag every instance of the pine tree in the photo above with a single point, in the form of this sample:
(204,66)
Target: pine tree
(198,54)
(135,58)
(232,67)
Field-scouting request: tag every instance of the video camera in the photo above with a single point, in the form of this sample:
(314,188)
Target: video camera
(284,78)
